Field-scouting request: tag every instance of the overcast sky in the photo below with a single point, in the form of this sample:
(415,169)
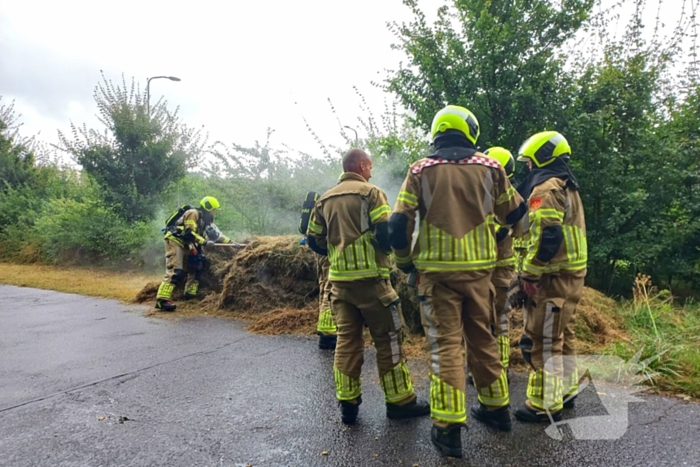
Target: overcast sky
(245,66)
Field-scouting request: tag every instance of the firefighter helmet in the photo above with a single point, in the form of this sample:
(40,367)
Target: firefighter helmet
(454,117)
(542,148)
(209,203)
(504,157)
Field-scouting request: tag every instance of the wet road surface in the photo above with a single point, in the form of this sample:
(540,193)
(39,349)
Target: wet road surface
(90,382)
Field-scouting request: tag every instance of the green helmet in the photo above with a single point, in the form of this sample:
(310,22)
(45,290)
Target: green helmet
(454,117)
(209,202)
(542,148)
(504,157)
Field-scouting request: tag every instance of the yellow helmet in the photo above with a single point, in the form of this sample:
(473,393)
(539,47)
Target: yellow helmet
(504,157)
(542,148)
(454,117)
(209,202)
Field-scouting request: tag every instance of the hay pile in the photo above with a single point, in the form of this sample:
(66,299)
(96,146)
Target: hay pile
(273,280)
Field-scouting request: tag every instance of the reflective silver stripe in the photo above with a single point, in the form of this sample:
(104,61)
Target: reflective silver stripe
(567,208)
(395,350)
(426,193)
(394,336)
(364,215)
(504,323)
(395,316)
(488,198)
(426,307)
(547,336)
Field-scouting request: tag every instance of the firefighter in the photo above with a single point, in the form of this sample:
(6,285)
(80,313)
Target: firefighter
(553,272)
(325,328)
(460,194)
(184,241)
(349,225)
(504,271)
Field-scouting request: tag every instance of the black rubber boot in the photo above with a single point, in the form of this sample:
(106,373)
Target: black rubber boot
(527,414)
(499,418)
(448,440)
(415,408)
(570,404)
(165,305)
(327,341)
(348,411)
(189,296)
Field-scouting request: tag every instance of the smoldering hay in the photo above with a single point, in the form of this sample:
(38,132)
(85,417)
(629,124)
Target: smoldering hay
(275,279)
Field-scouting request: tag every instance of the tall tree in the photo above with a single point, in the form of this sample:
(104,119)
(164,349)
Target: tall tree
(137,156)
(503,60)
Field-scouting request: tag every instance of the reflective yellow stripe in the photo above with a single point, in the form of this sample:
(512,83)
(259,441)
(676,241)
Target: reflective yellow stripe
(192,288)
(507,196)
(447,403)
(571,384)
(401,260)
(315,228)
(506,262)
(326,325)
(346,388)
(165,291)
(360,274)
(496,395)
(174,239)
(408,198)
(544,391)
(504,350)
(438,250)
(190,223)
(397,384)
(356,261)
(375,214)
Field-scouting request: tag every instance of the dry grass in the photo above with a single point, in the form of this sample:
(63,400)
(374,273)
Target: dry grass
(84,281)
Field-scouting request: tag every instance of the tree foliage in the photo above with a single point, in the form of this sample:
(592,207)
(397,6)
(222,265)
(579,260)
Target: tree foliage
(529,65)
(137,156)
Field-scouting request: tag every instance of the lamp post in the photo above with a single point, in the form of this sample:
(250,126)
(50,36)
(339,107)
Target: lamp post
(356,138)
(148,90)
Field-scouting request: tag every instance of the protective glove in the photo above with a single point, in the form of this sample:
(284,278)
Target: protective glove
(530,287)
(210,243)
(516,297)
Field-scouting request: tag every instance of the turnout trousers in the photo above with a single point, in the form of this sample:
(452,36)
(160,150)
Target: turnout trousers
(457,308)
(501,279)
(326,323)
(176,270)
(548,342)
(371,301)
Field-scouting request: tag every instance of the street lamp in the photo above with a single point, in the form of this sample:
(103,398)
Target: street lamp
(148,90)
(356,138)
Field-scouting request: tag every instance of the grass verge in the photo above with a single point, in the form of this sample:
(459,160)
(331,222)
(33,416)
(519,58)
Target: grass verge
(84,281)
(668,336)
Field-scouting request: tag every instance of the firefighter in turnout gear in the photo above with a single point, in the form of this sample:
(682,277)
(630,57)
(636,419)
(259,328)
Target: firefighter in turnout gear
(505,268)
(184,240)
(553,272)
(325,328)
(462,197)
(349,225)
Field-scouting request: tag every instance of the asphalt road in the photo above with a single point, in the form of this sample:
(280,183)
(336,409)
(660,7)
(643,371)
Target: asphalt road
(90,382)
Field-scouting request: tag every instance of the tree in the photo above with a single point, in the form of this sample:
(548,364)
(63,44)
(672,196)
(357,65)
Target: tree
(138,156)
(502,60)
(16,157)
